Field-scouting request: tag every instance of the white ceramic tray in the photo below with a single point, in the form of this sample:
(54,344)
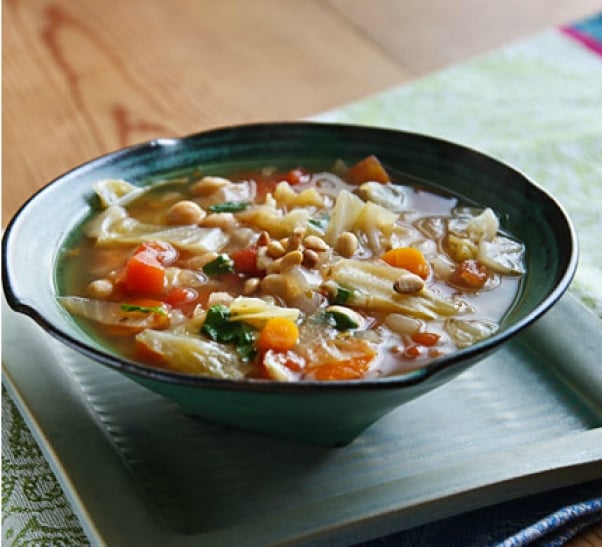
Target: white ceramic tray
(138,472)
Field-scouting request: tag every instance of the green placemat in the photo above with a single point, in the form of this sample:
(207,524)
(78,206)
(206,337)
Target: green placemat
(536,104)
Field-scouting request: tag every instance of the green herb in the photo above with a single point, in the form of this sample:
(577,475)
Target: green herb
(320,223)
(144,309)
(342,295)
(340,321)
(219,328)
(220,265)
(229,206)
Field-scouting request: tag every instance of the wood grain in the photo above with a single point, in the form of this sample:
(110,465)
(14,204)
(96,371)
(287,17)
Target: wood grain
(590,537)
(83,78)
(428,35)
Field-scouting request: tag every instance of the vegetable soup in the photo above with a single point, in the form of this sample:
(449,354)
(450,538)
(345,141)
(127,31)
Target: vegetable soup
(289,275)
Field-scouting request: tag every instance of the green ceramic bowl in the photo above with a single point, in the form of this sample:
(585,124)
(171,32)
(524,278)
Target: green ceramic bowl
(332,413)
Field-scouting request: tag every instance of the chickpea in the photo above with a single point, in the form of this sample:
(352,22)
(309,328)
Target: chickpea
(220,220)
(185,212)
(208,185)
(100,288)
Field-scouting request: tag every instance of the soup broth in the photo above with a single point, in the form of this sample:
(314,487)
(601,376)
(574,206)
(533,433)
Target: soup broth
(289,275)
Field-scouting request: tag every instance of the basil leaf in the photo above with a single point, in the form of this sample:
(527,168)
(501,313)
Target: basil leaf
(228,206)
(342,295)
(219,328)
(340,321)
(143,309)
(216,322)
(220,265)
(319,223)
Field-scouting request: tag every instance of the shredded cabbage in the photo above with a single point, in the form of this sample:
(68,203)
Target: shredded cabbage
(352,213)
(388,195)
(116,192)
(114,226)
(502,255)
(192,354)
(108,313)
(371,284)
(256,311)
(466,332)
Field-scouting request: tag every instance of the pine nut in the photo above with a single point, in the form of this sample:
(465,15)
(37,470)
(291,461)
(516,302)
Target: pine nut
(275,249)
(294,241)
(311,259)
(315,243)
(290,260)
(346,244)
(251,286)
(408,283)
(263,239)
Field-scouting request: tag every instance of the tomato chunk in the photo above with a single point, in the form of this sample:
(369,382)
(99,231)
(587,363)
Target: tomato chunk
(179,296)
(296,176)
(165,253)
(144,274)
(245,261)
(470,274)
(367,170)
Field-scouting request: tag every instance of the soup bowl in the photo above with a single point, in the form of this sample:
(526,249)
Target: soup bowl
(325,413)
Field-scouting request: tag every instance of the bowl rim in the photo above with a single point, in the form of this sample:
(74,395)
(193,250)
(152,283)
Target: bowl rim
(417,376)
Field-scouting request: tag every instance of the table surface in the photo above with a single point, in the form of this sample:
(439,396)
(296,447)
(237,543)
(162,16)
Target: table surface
(83,78)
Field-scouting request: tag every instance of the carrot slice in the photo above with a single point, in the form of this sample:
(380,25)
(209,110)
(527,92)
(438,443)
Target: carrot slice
(408,258)
(346,359)
(366,170)
(279,334)
(348,369)
(426,338)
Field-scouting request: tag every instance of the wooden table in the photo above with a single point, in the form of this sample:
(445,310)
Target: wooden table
(84,77)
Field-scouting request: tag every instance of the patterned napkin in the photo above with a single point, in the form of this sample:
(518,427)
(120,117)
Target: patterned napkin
(536,104)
